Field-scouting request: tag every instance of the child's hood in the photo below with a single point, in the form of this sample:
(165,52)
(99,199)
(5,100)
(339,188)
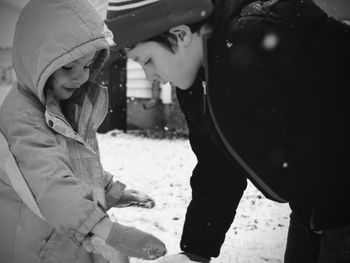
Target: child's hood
(52,33)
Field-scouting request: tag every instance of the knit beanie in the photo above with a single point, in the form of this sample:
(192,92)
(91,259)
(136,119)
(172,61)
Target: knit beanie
(133,21)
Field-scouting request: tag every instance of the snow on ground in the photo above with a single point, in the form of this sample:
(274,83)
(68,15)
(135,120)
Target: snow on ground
(162,169)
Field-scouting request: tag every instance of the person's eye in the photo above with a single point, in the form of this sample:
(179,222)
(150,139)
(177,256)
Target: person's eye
(148,61)
(67,67)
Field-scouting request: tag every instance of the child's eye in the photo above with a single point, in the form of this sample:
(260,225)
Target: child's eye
(88,66)
(147,61)
(67,67)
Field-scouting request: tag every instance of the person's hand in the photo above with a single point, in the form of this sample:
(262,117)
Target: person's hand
(135,243)
(97,245)
(181,258)
(135,198)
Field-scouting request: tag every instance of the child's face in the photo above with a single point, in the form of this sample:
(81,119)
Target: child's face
(160,64)
(64,81)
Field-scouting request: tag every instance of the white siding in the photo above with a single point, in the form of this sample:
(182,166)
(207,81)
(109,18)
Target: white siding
(165,93)
(136,83)
(139,87)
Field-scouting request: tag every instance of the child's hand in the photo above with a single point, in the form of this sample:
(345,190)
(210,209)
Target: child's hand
(97,245)
(123,242)
(182,258)
(133,242)
(135,198)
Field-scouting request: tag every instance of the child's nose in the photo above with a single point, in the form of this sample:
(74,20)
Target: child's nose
(82,76)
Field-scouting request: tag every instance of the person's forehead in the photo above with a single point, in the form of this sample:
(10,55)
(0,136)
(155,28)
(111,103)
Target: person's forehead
(135,51)
(85,58)
(143,48)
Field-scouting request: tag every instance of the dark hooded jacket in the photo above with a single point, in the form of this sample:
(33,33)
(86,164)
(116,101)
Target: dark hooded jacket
(269,107)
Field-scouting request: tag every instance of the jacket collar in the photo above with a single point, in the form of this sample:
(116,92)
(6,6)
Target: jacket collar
(224,9)
(89,116)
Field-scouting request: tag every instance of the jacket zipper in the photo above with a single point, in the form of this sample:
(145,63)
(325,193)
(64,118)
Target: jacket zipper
(233,152)
(204,85)
(240,161)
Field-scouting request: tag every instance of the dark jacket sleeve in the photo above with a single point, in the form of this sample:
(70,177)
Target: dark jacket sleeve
(216,192)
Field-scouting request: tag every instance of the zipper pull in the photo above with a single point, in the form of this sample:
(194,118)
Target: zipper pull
(204,85)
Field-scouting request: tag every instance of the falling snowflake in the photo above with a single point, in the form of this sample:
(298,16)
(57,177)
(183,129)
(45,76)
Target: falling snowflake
(270,41)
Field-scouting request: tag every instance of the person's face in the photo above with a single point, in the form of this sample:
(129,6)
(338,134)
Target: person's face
(64,81)
(161,64)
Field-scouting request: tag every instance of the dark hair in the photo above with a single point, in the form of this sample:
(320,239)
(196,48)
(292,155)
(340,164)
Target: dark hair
(169,40)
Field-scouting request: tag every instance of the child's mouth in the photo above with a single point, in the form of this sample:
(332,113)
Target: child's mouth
(71,89)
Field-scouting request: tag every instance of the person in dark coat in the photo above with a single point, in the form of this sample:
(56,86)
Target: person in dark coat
(262,87)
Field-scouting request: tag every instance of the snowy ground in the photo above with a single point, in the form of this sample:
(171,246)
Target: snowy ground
(162,169)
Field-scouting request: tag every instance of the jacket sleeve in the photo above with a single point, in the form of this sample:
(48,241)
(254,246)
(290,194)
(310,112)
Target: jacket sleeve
(61,197)
(216,192)
(114,190)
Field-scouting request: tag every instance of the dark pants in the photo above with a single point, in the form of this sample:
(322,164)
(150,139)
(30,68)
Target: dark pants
(306,246)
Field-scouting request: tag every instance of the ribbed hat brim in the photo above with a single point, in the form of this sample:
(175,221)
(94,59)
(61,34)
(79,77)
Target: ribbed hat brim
(148,21)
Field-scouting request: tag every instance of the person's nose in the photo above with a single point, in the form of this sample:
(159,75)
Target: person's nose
(150,76)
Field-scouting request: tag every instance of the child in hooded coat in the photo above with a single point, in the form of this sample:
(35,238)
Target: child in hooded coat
(50,118)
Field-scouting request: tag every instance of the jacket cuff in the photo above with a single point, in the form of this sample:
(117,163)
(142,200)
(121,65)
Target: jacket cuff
(108,179)
(85,228)
(196,258)
(114,193)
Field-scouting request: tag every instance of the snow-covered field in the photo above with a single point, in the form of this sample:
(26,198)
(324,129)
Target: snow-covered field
(162,169)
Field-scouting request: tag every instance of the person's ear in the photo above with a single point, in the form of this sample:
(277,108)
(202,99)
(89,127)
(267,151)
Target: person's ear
(183,34)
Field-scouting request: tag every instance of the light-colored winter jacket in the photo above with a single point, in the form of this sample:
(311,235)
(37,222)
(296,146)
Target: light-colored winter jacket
(57,155)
